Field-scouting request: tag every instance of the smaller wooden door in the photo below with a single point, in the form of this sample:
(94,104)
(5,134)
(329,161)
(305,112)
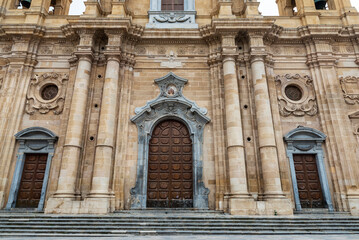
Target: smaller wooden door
(310,191)
(31,181)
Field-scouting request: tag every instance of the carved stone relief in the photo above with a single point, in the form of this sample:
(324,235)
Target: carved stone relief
(178,50)
(350,88)
(354,119)
(288,50)
(46,92)
(5,48)
(296,95)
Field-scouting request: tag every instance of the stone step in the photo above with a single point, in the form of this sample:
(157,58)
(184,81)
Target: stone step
(176,227)
(187,223)
(133,223)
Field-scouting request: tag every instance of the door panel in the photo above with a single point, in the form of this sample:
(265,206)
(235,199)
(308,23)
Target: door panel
(31,181)
(170,180)
(310,191)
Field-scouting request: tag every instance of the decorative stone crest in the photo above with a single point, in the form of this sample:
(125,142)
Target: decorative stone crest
(46,93)
(172,62)
(296,95)
(172,19)
(184,18)
(350,88)
(354,118)
(170,104)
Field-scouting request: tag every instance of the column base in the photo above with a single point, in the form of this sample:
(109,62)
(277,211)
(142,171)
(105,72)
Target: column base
(90,205)
(242,206)
(353,201)
(238,206)
(2,200)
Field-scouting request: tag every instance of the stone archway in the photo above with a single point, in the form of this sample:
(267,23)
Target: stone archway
(170,104)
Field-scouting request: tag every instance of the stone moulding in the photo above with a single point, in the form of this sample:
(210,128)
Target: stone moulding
(170,104)
(350,88)
(306,105)
(34,101)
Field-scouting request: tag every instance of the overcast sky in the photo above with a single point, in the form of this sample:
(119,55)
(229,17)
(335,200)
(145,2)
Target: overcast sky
(267,7)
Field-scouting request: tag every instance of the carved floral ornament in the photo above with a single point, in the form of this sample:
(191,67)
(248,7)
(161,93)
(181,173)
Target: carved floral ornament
(350,88)
(296,95)
(46,92)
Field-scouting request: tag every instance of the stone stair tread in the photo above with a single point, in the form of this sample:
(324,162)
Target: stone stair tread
(159,224)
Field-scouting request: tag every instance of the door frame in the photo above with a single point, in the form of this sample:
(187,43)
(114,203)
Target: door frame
(34,140)
(170,105)
(308,141)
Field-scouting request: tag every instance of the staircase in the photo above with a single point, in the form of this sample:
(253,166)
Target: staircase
(171,222)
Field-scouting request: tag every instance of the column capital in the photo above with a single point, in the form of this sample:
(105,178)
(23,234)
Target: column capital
(257,58)
(113,57)
(229,47)
(85,56)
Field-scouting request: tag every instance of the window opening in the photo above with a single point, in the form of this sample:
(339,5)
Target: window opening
(321,4)
(177,5)
(25,3)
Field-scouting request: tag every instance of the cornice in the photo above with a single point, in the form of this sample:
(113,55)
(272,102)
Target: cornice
(23,29)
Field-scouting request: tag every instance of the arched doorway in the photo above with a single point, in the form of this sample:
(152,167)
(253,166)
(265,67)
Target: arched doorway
(32,169)
(306,161)
(170,174)
(170,105)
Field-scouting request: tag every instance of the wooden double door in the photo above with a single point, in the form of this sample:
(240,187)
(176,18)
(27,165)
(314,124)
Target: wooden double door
(308,181)
(31,181)
(170,175)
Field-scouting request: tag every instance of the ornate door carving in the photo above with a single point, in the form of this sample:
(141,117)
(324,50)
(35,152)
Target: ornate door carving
(170,182)
(310,191)
(31,181)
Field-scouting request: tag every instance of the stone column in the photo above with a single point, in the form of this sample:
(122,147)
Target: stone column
(266,136)
(75,128)
(107,124)
(235,146)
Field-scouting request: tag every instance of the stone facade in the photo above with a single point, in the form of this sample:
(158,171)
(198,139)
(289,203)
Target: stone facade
(253,91)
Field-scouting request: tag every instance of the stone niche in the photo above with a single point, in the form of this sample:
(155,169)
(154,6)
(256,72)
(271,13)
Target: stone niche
(47,93)
(296,95)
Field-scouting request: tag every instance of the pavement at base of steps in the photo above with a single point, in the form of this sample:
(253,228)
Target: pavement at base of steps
(206,237)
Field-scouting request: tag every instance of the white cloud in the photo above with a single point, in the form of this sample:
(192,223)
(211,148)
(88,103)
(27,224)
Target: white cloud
(267,7)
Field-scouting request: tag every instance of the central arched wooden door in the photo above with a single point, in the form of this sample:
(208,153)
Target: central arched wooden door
(170,182)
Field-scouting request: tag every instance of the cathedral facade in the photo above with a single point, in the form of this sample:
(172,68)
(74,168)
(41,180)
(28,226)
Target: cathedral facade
(198,104)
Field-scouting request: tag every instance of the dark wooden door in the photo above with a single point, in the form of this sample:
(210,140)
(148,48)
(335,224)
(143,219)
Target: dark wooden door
(31,181)
(310,190)
(170,183)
